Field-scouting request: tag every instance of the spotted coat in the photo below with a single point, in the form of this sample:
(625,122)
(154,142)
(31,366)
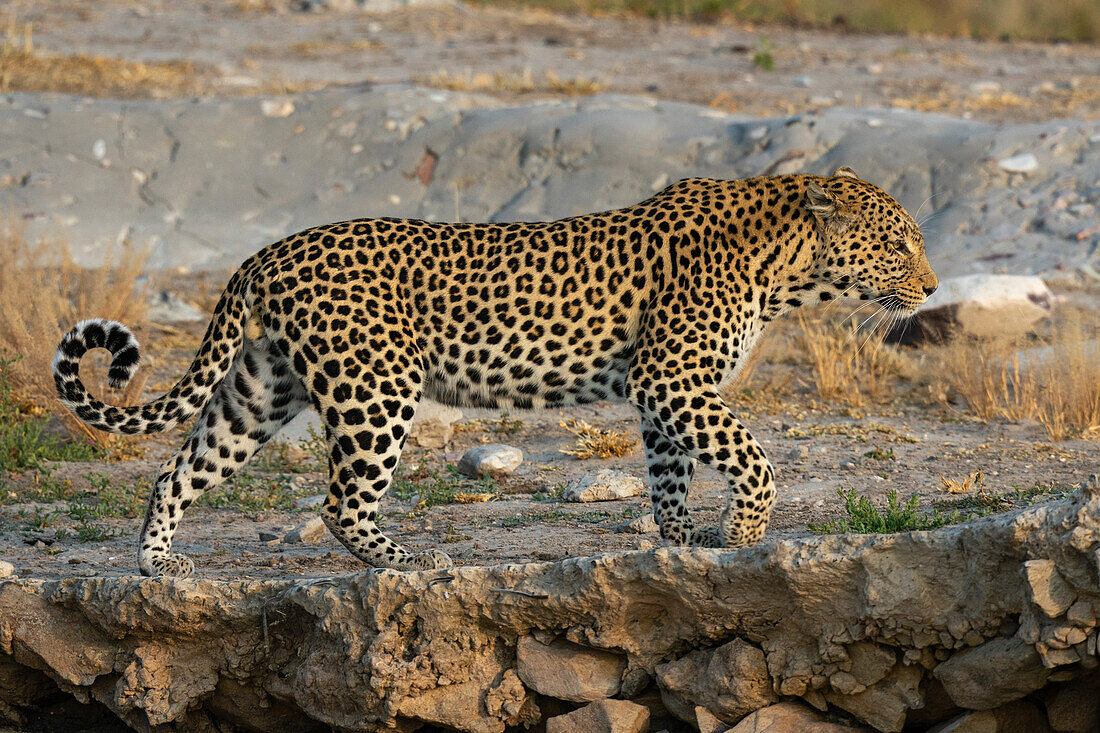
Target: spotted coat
(657,304)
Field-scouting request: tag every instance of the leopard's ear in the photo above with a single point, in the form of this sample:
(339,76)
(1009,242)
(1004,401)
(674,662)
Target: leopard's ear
(845,172)
(829,212)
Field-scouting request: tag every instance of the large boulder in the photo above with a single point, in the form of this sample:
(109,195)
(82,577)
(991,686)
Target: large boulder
(983,306)
(569,671)
(730,682)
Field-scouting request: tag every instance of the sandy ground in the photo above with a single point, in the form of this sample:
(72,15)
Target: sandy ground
(817,449)
(494,50)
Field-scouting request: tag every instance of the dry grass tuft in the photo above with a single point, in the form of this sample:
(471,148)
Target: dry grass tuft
(975,480)
(593,442)
(1057,384)
(43,293)
(505,82)
(846,365)
(23,69)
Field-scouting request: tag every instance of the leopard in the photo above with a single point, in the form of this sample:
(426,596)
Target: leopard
(656,304)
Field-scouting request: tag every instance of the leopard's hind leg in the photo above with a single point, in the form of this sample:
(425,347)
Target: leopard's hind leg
(366,397)
(257,397)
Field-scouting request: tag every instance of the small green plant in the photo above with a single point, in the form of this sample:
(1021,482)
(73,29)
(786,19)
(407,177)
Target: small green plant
(552,494)
(506,425)
(24,442)
(762,58)
(317,445)
(39,519)
(880,454)
(250,493)
(865,518)
(433,486)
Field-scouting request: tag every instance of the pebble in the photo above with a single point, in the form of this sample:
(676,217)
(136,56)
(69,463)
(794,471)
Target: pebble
(269,536)
(1023,163)
(6,569)
(277,107)
(803,81)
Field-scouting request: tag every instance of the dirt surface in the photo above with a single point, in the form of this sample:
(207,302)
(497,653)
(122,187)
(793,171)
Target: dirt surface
(524,54)
(817,449)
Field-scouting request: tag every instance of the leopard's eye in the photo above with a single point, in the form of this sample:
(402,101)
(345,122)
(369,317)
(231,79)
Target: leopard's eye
(901,245)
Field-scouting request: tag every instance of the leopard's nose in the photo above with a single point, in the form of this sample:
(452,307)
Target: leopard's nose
(929,289)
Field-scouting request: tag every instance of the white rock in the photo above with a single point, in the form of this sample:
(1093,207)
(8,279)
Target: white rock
(803,81)
(6,569)
(99,149)
(490,460)
(310,532)
(985,87)
(568,671)
(982,305)
(604,485)
(1023,163)
(277,107)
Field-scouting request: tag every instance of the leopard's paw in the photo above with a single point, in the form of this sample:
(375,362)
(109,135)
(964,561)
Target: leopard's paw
(428,560)
(171,565)
(707,537)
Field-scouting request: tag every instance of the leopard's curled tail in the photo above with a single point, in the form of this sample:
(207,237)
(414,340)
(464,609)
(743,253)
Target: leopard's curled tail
(223,340)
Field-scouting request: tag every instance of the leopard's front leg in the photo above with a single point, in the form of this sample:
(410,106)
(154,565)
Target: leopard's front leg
(710,434)
(673,381)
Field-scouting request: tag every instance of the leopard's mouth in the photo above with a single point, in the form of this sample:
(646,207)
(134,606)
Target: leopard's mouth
(896,303)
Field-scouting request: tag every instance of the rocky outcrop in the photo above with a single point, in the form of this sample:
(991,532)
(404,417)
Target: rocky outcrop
(205,183)
(994,620)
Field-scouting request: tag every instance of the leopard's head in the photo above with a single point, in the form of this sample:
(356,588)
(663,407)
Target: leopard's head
(873,249)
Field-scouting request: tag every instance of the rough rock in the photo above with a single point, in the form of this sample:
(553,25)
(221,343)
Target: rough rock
(490,460)
(6,569)
(707,722)
(386,650)
(1074,707)
(644,524)
(788,717)
(602,716)
(885,704)
(730,681)
(604,485)
(242,179)
(569,671)
(990,675)
(1015,717)
(310,532)
(433,424)
(1049,591)
(978,305)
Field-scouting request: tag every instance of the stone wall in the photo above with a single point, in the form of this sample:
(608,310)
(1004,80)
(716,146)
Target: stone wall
(977,626)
